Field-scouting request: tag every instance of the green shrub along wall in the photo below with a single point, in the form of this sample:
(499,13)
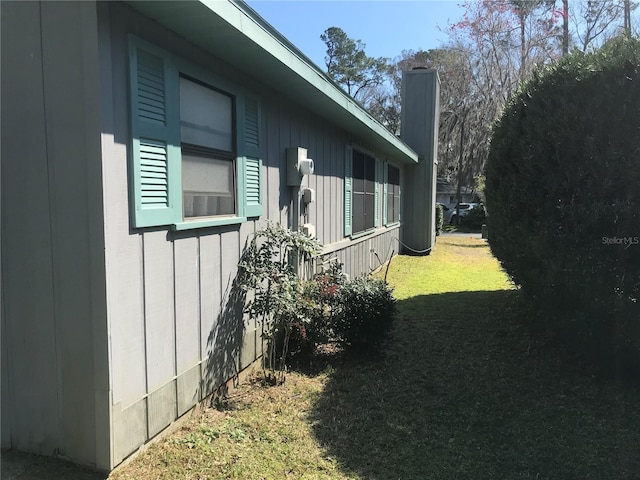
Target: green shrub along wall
(563,198)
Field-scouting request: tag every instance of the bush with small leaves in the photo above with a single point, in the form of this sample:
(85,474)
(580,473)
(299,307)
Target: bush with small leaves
(267,270)
(367,313)
(563,199)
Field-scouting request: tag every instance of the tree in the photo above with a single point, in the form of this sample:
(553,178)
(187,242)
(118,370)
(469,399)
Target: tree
(565,27)
(596,21)
(384,100)
(524,10)
(348,64)
(496,45)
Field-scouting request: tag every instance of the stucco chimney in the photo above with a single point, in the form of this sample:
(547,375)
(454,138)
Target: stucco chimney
(419,129)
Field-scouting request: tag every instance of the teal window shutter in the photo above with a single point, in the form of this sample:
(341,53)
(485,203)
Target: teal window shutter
(385,197)
(155,130)
(250,178)
(348,190)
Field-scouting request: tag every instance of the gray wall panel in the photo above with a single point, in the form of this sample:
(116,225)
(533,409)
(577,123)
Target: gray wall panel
(286,140)
(5,398)
(69,38)
(160,342)
(130,429)
(272,164)
(162,408)
(27,263)
(210,289)
(325,193)
(228,332)
(187,298)
(249,346)
(188,389)
(124,247)
(125,307)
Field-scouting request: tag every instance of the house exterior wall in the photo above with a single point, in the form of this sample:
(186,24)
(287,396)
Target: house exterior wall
(54,350)
(175,317)
(110,332)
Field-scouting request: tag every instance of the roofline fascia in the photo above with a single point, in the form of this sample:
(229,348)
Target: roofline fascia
(240,16)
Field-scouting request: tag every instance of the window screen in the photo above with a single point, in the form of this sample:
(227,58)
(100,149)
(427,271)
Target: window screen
(364,183)
(208,158)
(393,194)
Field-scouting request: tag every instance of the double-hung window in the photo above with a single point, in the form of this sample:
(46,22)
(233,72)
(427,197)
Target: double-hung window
(362,177)
(392,195)
(196,158)
(208,151)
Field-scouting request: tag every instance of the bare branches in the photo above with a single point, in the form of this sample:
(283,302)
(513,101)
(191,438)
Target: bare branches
(595,21)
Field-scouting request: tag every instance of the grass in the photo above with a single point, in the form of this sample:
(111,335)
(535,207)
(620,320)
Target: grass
(463,391)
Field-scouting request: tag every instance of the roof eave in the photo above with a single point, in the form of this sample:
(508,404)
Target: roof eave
(231,30)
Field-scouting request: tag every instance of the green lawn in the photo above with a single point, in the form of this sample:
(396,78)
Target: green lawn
(461,392)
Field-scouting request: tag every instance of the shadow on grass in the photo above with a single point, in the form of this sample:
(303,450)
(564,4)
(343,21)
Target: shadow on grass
(25,466)
(467,245)
(464,392)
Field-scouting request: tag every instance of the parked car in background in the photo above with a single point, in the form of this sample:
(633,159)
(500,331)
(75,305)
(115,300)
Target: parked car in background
(463,210)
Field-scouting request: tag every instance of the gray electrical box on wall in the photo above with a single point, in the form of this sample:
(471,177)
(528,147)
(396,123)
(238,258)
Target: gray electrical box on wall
(298,165)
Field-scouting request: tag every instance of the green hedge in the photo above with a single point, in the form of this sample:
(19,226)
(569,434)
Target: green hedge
(439,218)
(563,197)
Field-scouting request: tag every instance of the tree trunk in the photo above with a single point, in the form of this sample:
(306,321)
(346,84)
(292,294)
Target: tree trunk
(523,50)
(565,27)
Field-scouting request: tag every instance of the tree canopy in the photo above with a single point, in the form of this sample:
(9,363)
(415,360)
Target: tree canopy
(488,53)
(349,65)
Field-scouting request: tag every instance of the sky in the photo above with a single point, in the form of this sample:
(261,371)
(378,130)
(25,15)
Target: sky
(386,27)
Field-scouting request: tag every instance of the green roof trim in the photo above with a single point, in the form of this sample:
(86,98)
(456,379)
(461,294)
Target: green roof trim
(233,31)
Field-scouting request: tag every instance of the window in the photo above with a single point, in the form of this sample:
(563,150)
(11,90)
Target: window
(392,195)
(364,181)
(208,153)
(361,192)
(196,158)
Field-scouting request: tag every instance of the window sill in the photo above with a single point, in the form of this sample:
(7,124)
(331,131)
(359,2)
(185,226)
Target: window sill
(211,222)
(392,224)
(362,234)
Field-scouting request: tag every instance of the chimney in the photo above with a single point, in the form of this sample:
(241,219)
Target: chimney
(419,129)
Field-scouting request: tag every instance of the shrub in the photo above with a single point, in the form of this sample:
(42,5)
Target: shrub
(366,314)
(439,218)
(563,199)
(319,305)
(474,219)
(268,270)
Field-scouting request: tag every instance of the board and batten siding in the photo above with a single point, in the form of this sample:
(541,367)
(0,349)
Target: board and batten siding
(54,349)
(177,328)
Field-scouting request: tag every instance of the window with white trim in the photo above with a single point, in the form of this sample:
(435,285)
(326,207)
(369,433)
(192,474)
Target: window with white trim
(196,157)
